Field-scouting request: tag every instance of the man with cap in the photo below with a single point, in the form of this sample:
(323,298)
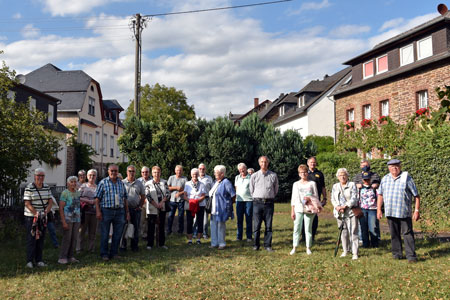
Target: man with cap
(369,224)
(397,190)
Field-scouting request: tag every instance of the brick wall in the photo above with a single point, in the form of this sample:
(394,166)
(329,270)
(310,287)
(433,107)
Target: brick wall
(71,163)
(400,91)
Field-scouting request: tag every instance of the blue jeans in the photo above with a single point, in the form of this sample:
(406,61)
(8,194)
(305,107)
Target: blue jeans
(244,208)
(135,219)
(263,212)
(52,233)
(369,228)
(218,230)
(116,217)
(173,209)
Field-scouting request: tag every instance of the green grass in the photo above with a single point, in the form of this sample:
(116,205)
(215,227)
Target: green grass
(197,272)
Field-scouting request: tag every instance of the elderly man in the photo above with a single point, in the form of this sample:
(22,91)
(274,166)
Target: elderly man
(145,177)
(111,208)
(263,188)
(176,187)
(136,199)
(396,191)
(38,203)
(208,182)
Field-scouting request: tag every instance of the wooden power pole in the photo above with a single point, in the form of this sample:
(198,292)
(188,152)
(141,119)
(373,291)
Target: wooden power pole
(137,65)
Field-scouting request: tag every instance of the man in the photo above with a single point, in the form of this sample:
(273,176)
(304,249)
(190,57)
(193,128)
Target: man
(397,189)
(263,188)
(136,197)
(111,208)
(208,182)
(38,203)
(244,203)
(145,173)
(317,176)
(365,167)
(176,187)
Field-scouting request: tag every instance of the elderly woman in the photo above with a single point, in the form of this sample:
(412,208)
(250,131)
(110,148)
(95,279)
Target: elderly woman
(89,224)
(305,204)
(244,202)
(344,196)
(195,192)
(81,178)
(222,195)
(38,203)
(69,210)
(158,196)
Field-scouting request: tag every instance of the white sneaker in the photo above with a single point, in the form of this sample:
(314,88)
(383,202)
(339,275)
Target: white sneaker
(344,254)
(149,248)
(29,265)
(41,264)
(164,247)
(354,257)
(292,251)
(308,251)
(62,261)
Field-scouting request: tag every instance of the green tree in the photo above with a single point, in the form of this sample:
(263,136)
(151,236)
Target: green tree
(22,135)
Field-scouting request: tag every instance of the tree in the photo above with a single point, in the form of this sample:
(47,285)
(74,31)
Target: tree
(22,135)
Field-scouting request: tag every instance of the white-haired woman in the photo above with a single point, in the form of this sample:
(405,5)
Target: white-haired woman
(70,212)
(344,196)
(244,203)
(195,192)
(222,195)
(89,224)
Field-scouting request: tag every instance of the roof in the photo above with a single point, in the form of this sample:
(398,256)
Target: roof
(262,114)
(70,101)
(112,104)
(400,37)
(59,127)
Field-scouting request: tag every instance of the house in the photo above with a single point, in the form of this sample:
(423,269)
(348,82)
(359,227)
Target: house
(279,107)
(398,76)
(257,108)
(55,175)
(311,110)
(82,107)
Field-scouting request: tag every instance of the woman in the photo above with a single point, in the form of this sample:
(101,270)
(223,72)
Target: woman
(305,204)
(81,178)
(87,199)
(222,195)
(195,192)
(344,197)
(244,202)
(69,210)
(158,195)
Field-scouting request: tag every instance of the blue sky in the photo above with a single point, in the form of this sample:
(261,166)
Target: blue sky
(221,59)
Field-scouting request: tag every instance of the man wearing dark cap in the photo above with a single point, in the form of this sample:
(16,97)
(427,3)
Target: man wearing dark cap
(397,189)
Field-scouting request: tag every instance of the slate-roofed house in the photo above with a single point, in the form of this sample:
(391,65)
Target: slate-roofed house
(82,106)
(398,76)
(279,107)
(257,108)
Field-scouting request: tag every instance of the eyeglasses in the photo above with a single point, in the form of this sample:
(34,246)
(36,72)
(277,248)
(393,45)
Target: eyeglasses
(131,171)
(40,175)
(114,171)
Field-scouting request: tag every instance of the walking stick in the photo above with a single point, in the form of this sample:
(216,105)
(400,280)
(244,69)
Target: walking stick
(340,233)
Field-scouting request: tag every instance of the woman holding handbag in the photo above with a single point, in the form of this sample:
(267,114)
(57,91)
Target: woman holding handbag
(344,196)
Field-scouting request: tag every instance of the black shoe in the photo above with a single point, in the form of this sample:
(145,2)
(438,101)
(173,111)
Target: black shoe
(412,261)
(256,248)
(269,249)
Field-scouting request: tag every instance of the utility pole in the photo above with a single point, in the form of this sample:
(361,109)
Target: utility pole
(137,64)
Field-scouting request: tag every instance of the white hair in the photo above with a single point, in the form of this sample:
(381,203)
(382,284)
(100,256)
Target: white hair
(201,164)
(81,172)
(342,170)
(72,178)
(92,171)
(39,170)
(195,170)
(220,168)
(144,168)
(241,165)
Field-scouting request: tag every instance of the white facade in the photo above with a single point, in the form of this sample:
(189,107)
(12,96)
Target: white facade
(321,117)
(298,123)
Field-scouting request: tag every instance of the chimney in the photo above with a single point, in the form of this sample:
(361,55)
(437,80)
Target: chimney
(256,102)
(442,9)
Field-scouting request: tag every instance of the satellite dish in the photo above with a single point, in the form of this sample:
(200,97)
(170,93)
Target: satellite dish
(442,9)
(21,78)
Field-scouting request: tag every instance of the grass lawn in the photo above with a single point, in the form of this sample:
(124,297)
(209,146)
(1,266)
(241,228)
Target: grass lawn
(197,272)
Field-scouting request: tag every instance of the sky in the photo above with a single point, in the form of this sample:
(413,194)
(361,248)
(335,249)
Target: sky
(220,59)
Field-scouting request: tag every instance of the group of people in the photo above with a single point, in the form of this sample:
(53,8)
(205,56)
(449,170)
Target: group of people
(209,203)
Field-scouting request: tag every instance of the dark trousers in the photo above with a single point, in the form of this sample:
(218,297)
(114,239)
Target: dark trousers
(398,227)
(263,212)
(173,208)
(315,224)
(34,247)
(151,221)
(199,219)
(244,208)
(135,219)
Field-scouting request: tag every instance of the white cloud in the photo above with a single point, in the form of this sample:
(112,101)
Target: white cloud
(17,16)
(392,23)
(64,7)
(311,6)
(30,32)
(349,30)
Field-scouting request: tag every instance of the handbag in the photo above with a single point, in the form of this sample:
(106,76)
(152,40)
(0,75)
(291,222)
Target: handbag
(129,233)
(208,205)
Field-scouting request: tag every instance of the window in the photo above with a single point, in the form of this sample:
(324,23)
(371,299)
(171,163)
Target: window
(90,139)
(85,138)
(351,115)
(301,101)
(406,55)
(368,69)
(91,106)
(92,88)
(384,108)
(97,142)
(422,99)
(11,95)
(112,147)
(105,141)
(382,64)
(51,113)
(366,111)
(32,103)
(424,48)
(281,109)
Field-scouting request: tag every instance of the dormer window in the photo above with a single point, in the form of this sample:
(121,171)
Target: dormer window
(91,106)
(51,113)
(281,110)
(406,55)
(382,64)
(32,103)
(424,48)
(368,69)
(301,101)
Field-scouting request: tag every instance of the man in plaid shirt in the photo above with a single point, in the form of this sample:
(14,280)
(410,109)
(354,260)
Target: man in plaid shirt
(397,189)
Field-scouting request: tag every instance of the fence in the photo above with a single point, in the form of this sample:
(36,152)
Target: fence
(13,199)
